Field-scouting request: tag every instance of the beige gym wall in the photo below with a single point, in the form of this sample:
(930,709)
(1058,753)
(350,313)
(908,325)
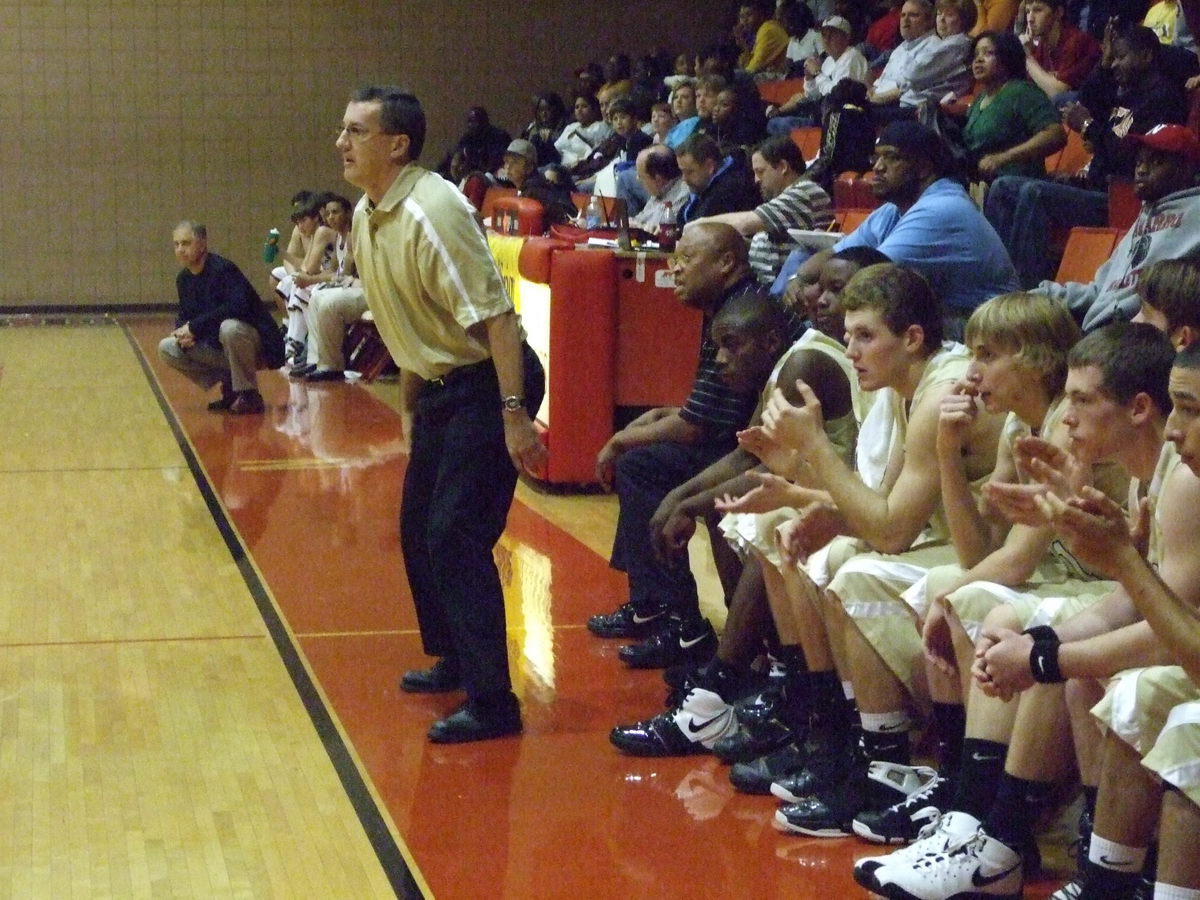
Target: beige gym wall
(119,117)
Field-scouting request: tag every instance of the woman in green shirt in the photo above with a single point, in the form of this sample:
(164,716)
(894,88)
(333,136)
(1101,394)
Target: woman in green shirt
(1011,126)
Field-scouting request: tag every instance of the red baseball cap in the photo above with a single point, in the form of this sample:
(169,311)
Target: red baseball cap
(1177,139)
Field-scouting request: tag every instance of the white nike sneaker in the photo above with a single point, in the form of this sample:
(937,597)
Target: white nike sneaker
(942,832)
(977,866)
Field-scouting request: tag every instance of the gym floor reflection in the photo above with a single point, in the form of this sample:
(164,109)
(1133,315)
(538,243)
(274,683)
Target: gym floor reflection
(312,489)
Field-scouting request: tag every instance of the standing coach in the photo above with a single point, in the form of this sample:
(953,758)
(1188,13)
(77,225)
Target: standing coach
(469,386)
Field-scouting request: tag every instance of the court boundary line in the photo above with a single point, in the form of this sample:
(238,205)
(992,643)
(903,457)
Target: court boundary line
(395,859)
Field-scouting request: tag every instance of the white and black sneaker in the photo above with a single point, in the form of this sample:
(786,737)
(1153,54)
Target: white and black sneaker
(950,828)
(702,719)
(903,822)
(978,866)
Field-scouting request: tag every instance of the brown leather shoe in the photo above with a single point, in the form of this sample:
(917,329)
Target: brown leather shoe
(247,403)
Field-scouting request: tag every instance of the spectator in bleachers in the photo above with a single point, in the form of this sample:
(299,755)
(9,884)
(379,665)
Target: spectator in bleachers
(922,67)
(589,78)
(623,145)
(521,171)
(481,146)
(1059,56)
(1011,126)
(927,221)
(660,180)
(733,131)
(549,120)
(953,19)
(683,107)
(883,34)
(847,134)
(720,60)
(789,201)
(1167,20)
(805,39)
(584,135)
(617,81)
(841,61)
(648,77)
(761,38)
(1093,16)
(1126,95)
(994,15)
(717,181)
(708,87)
(662,122)
(1168,227)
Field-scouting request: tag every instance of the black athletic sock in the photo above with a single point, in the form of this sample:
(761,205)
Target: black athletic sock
(791,658)
(1018,804)
(982,764)
(720,677)
(829,703)
(886,746)
(951,722)
(1089,802)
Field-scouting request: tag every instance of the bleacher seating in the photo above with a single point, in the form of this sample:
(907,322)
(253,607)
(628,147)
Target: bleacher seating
(494,192)
(846,220)
(1123,204)
(518,215)
(808,140)
(1087,249)
(1071,158)
(779,92)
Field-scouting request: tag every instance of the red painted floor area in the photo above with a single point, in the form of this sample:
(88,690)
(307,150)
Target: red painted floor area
(313,488)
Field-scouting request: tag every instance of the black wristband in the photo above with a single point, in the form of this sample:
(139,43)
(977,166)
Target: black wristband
(1042,633)
(1043,655)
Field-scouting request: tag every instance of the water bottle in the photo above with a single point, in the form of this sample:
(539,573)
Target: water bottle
(594,215)
(668,229)
(271,247)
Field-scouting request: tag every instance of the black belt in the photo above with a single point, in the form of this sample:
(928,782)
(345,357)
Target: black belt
(454,376)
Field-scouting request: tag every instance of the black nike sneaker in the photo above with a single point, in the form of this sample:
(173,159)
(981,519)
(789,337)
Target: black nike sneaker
(830,812)
(627,622)
(678,641)
(903,822)
(694,726)
(757,776)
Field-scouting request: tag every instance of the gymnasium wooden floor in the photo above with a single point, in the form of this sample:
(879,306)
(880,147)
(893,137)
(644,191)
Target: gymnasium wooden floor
(204,618)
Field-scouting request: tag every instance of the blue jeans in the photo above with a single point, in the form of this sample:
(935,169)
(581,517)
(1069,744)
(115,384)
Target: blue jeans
(631,191)
(1025,211)
(804,119)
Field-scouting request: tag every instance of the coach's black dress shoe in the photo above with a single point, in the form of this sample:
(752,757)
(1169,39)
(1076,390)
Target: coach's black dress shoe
(440,678)
(478,720)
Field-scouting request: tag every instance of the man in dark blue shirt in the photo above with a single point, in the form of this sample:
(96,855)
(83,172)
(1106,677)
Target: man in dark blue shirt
(665,447)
